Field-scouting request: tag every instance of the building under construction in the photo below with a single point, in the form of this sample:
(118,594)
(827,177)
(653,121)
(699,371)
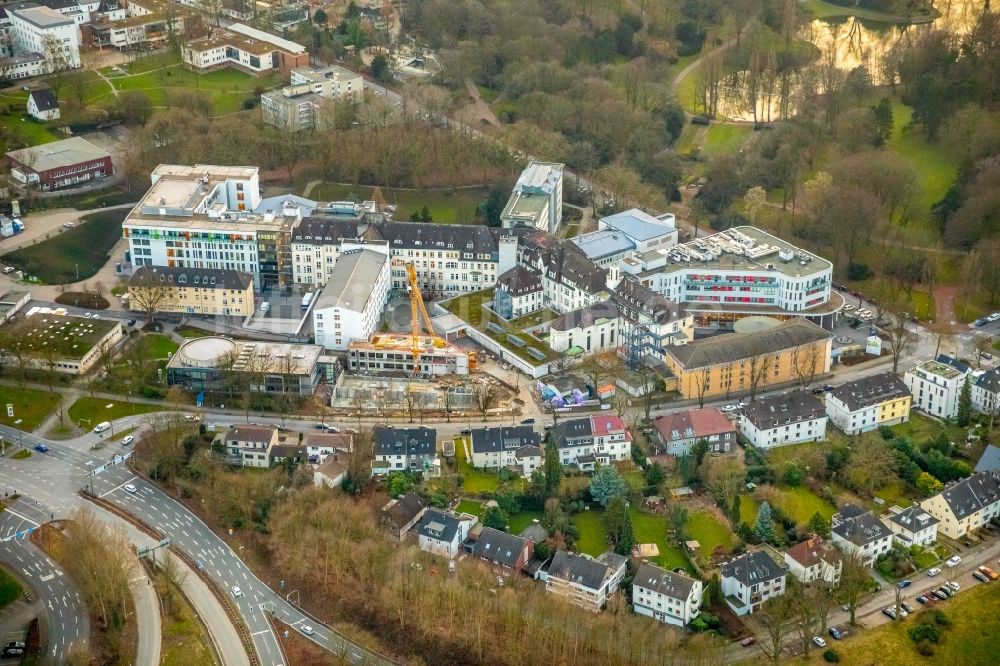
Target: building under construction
(394,353)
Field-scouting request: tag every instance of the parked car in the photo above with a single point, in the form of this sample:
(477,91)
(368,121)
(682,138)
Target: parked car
(954,585)
(989,572)
(8,269)
(980,576)
(933,571)
(527,421)
(906,606)
(127,439)
(921,599)
(14,645)
(940,595)
(954,561)
(947,590)
(903,584)
(131,322)
(41,448)
(129,488)
(838,632)
(994,317)
(981,322)
(819,641)
(889,612)
(747,642)
(818,390)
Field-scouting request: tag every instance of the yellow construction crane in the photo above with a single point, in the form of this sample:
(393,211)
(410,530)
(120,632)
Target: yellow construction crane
(418,309)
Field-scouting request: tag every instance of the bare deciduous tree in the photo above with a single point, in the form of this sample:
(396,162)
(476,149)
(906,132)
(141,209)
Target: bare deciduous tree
(147,293)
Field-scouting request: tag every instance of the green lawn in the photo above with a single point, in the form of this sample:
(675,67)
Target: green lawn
(157,346)
(592,540)
(935,167)
(474,481)
(20,129)
(10,589)
(692,138)
(87,248)
(475,507)
(725,139)
(925,559)
(894,493)
(188,332)
(445,206)
(972,638)
(95,410)
(800,504)
(748,509)
(920,428)
(226,88)
(30,406)
(709,532)
(469,307)
(524,519)
(649,528)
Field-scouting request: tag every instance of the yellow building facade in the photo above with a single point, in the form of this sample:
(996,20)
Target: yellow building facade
(202,291)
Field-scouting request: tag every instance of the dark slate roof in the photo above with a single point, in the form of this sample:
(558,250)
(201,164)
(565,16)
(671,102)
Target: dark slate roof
(568,265)
(205,278)
(499,547)
(535,533)
(566,433)
(870,391)
(858,526)
(403,510)
(773,411)
(391,441)
(968,496)
(528,451)
(110,5)
(913,519)
(59,4)
(734,347)
(44,98)
(280,451)
(990,460)
(752,568)
(585,316)
(579,569)
(955,363)
(989,380)
(502,438)
(520,281)
(328,229)
(634,298)
(425,236)
(438,525)
(662,581)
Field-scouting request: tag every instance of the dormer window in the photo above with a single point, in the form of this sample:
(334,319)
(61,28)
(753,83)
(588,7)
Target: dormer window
(197,279)
(182,279)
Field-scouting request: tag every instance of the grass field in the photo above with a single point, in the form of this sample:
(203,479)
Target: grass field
(724,139)
(800,504)
(692,138)
(649,528)
(445,206)
(157,346)
(184,641)
(475,507)
(972,638)
(95,410)
(10,589)
(474,481)
(935,168)
(87,247)
(19,129)
(520,521)
(709,532)
(30,406)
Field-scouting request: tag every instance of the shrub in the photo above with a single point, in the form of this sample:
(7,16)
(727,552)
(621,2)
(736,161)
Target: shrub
(926,649)
(858,271)
(920,633)
(886,433)
(831,656)
(941,619)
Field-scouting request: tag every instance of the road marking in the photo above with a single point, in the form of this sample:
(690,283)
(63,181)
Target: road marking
(15,513)
(119,486)
(263,631)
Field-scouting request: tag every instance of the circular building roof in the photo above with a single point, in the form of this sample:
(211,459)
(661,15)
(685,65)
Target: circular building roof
(205,352)
(755,324)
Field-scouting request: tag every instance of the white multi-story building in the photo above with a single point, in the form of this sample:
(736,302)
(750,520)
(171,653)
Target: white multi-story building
(517,447)
(518,292)
(443,533)
(250,444)
(537,199)
(936,385)
(77,10)
(986,391)
(814,559)
(860,533)
(912,526)
(350,305)
(666,596)
(625,234)
(41,30)
(869,403)
(784,419)
(585,581)
(299,105)
(591,329)
(966,505)
(602,438)
(750,580)
(740,272)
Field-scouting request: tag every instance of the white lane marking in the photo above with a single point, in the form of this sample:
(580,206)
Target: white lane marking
(119,486)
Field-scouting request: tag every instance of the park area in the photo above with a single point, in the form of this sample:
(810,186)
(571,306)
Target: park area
(88,412)
(30,406)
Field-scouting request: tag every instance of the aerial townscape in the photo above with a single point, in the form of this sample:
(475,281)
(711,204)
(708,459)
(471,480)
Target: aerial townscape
(498,332)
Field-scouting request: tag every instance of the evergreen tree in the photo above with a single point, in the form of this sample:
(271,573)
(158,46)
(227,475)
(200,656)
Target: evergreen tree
(734,512)
(495,518)
(618,526)
(883,118)
(964,416)
(764,525)
(819,525)
(553,468)
(606,485)
(425,215)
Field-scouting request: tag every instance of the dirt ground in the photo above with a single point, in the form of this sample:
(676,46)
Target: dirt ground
(299,650)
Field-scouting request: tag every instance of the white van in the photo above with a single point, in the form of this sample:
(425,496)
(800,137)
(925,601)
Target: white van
(101,427)
(265,306)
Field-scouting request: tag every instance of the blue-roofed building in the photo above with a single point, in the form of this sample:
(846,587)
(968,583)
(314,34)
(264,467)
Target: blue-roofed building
(644,230)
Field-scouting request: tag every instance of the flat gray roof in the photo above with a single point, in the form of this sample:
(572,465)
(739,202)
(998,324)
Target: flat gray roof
(58,154)
(605,243)
(43,17)
(352,281)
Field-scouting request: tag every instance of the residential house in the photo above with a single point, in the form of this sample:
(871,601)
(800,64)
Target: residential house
(200,291)
(43,105)
(860,533)
(285,451)
(331,471)
(443,533)
(505,550)
(399,515)
(814,559)
(666,596)
(518,292)
(602,438)
(404,449)
(585,581)
(515,447)
(250,444)
(966,505)
(986,391)
(784,419)
(750,580)
(320,445)
(869,403)
(678,432)
(936,385)
(912,526)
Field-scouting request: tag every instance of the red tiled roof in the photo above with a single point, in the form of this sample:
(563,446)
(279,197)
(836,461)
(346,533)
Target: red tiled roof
(602,425)
(702,422)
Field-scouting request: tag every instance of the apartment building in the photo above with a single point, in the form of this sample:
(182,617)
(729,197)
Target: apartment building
(986,391)
(246,49)
(680,431)
(860,533)
(518,292)
(301,104)
(23,66)
(514,447)
(750,580)
(814,560)
(869,403)
(350,305)
(404,449)
(250,444)
(585,581)
(779,420)
(591,329)
(34,29)
(912,526)
(584,442)
(200,291)
(936,385)
(77,10)
(537,198)
(730,365)
(966,505)
(507,551)
(666,596)
(740,272)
